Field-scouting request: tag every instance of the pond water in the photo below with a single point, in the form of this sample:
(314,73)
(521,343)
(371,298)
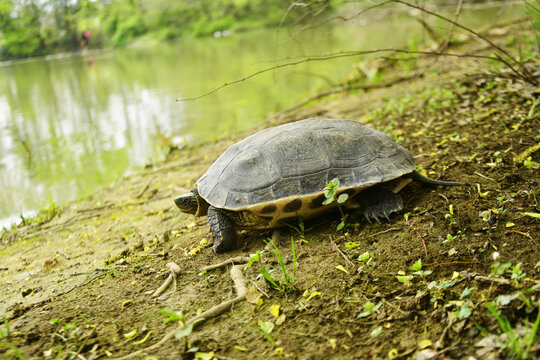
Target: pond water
(73,124)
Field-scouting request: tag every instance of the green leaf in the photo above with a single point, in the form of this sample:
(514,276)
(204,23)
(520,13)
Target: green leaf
(467,292)
(342,198)
(364,256)
(266,326)
(352,245)
(464,312)
(417,265)
(329,200)
(187,330)
(503,300)
(531,214)
(269,278)
(404,278)
(445,284)
(172,315)
(254,258)
(377,331)
(131,334)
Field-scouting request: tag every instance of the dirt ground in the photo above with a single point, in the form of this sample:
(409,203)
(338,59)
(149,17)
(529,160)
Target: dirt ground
(80,285)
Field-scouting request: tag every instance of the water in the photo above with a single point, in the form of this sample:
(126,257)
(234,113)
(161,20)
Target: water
(71,125)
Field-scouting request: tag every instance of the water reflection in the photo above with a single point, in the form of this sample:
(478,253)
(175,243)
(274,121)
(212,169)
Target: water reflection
(75,124)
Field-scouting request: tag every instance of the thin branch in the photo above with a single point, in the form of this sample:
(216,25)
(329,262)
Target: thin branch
(527,75)
(335,56)
(348,88)
(452,26)
(343,18)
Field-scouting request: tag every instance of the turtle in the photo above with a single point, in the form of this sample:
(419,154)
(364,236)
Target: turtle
(280,173)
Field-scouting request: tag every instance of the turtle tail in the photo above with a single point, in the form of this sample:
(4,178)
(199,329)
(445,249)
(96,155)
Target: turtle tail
(415,175)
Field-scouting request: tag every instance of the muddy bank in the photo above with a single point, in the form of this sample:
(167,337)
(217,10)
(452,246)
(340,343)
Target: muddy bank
(80,285)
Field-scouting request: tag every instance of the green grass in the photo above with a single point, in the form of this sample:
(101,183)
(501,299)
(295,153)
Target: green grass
(518,345)
(283,279)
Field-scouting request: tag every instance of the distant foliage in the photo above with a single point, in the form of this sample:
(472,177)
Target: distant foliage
(38,27)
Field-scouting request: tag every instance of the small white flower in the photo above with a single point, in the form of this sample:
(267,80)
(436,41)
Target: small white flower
(495,255)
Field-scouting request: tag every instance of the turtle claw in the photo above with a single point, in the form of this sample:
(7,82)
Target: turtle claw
(380,202)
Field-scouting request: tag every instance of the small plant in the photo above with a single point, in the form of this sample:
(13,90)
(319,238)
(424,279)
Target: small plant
(450,212)
(265,328)
(285,279)
(369,309)
(110,271)
(417,268)
(300,229)
(518,345)
(499,269)
(172,316)
(530,163)
(330,192)
(517,273)
(465,309)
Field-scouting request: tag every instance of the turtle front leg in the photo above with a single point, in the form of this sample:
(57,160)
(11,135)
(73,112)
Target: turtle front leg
(223,227)
(380,202)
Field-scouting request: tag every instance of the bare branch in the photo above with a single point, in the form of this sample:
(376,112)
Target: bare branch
(444,46)
(343,18)
(526,75)
(349,88)
(336,56)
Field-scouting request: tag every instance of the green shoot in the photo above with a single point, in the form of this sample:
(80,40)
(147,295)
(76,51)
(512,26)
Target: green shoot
(498,269)
(172,316)
(330,191)
(285,279)
(265,328)
(518,345)
(330,194)
(369,309)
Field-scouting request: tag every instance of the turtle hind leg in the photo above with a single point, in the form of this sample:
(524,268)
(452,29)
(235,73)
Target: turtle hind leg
(223,228)
(380,202)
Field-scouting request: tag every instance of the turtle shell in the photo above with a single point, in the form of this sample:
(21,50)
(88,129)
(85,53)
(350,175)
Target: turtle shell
(288,166)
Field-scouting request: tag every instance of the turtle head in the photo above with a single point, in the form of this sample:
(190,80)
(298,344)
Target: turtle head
(192,203)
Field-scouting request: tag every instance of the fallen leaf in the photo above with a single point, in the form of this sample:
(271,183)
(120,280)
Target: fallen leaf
(274,310)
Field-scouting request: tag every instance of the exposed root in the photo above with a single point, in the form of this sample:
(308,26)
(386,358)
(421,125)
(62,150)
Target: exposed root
(241,289)
(174,270)
(238,259)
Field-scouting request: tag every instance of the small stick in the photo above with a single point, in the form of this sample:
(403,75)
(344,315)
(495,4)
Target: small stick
(417,233)
(174,270)
(395,307)
(525,234)
(440,343)
(455,262)
(385,231)
(238,259)
(485,177)
(498,280)
(338,250)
